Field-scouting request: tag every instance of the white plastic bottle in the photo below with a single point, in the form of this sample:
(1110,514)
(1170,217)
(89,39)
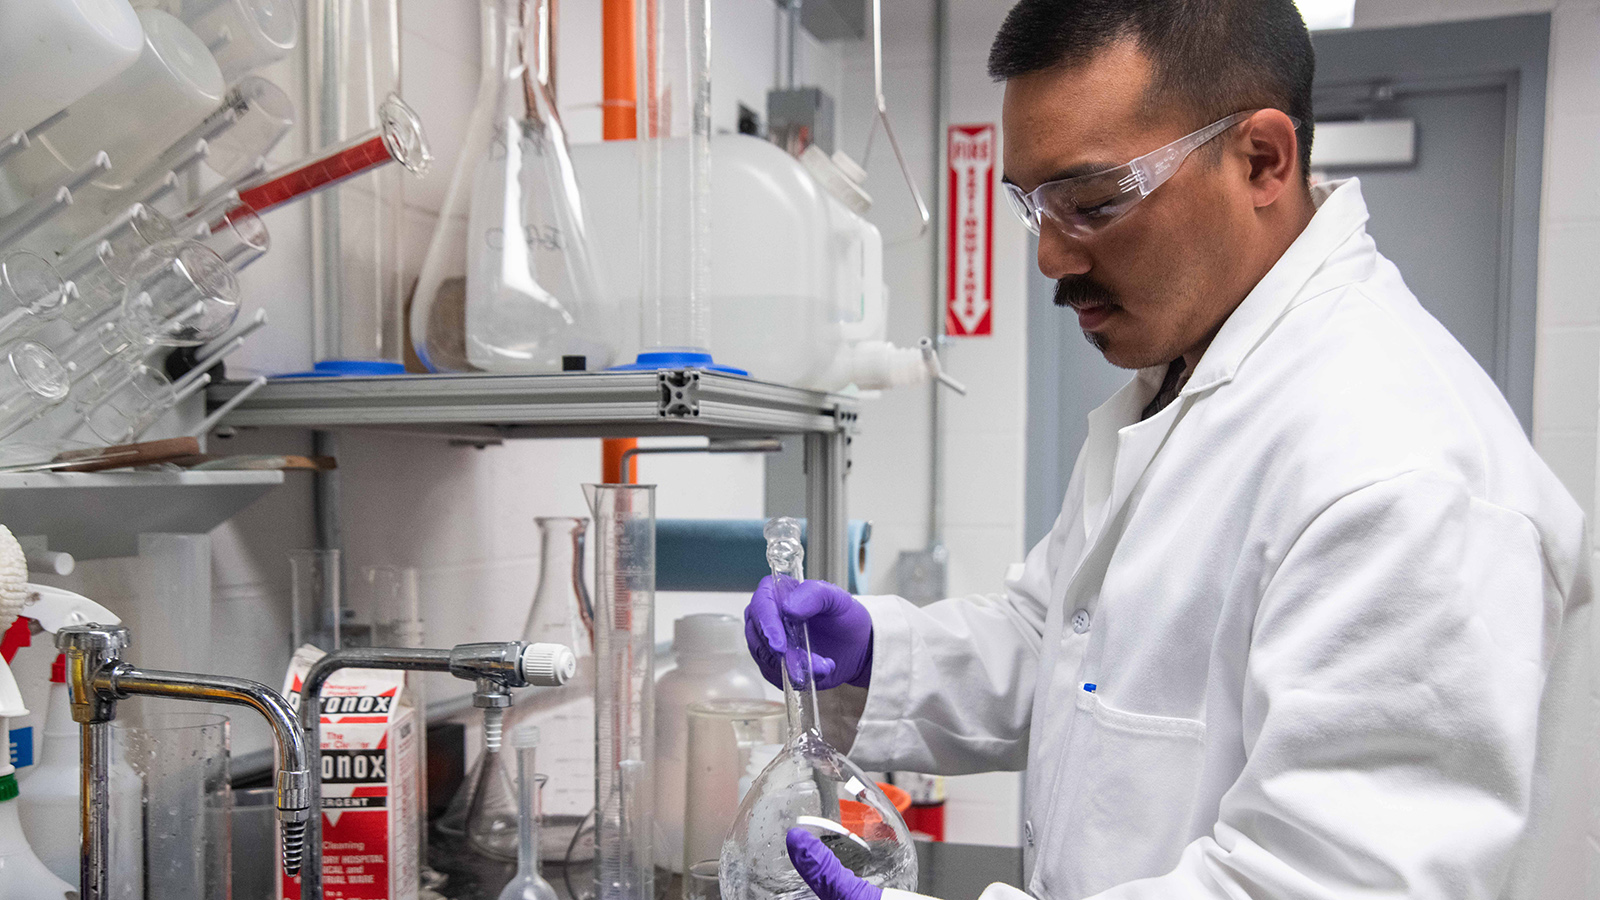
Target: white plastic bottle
(53,52)
(22,875)
(48,807)
(712,664)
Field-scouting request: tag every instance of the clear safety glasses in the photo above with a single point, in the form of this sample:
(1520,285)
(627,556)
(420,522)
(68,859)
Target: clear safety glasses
(1084,205)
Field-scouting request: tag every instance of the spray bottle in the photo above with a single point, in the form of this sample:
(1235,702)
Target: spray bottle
(49,802)
(22,875)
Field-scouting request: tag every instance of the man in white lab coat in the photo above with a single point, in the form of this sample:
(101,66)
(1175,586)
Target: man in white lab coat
(1314,619)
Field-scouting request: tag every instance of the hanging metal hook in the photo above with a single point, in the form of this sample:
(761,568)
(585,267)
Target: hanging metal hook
(883,118)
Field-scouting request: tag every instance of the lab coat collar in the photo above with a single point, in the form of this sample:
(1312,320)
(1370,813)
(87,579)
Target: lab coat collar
(1334,250)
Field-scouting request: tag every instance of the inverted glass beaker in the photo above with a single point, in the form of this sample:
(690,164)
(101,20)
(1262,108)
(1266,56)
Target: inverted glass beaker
(809,784)
(624,632)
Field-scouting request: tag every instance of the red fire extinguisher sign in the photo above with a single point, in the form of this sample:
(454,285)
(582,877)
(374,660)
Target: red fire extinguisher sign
(969,301)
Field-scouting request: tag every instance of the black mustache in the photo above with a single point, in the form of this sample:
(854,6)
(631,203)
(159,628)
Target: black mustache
(1081,291)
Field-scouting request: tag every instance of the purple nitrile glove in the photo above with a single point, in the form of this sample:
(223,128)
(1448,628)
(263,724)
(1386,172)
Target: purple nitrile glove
(822,871)
(841,633)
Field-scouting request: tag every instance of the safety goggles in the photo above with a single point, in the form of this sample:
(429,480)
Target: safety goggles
(1084,205)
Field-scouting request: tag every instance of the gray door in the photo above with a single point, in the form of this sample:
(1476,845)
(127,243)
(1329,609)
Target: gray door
(1439,219)
(1461,222)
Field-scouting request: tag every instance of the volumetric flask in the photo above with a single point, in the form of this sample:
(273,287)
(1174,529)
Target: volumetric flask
(624,644)
(809,784)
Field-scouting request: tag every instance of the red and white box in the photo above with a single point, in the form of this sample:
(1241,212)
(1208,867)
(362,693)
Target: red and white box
(369,783)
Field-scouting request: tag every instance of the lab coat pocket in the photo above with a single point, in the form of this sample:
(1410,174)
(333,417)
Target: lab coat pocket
(1131,798)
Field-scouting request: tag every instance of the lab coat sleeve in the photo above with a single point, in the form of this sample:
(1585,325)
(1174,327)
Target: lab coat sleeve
(952,682)
(1391,706)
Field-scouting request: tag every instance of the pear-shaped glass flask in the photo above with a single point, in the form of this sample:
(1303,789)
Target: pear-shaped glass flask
(809,784)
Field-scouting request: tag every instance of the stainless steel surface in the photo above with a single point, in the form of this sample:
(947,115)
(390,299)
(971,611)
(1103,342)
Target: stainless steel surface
(97,678)
(964,870)
(576,404)
(494,668)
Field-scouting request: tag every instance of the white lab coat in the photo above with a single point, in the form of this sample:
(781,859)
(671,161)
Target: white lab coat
(1318,629)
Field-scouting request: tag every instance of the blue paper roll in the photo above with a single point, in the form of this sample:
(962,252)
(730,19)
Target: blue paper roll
(731,554)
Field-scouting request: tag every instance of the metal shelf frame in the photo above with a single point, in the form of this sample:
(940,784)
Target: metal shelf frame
(480,407)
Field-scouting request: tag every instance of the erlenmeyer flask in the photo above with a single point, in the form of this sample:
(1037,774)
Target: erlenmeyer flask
(562,613)
(530,293)
(486,807)
(809,784)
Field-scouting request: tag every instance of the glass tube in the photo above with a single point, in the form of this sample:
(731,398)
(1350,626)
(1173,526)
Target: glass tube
(358,277)
(32,294)
(624,593)
(674,126)
(32,381)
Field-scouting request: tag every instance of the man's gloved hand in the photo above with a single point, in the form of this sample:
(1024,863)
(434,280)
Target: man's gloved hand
(822,871)
(841,633)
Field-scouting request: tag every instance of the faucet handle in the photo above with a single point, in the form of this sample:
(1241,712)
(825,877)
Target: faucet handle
(548,665)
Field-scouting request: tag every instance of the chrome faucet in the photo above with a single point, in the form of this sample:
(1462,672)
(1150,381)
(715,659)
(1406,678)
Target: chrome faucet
(97,678)
(493,668)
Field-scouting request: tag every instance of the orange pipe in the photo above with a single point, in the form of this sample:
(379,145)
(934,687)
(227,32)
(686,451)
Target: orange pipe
(619,89)
(611,450)
(617,123)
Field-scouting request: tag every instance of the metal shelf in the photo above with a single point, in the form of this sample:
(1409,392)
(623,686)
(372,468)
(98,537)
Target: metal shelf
(578,404)
(584,404)
(93,515)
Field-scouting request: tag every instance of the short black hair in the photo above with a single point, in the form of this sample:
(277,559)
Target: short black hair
(1212,57)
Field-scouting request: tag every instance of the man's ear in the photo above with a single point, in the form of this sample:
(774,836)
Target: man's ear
(1272,147)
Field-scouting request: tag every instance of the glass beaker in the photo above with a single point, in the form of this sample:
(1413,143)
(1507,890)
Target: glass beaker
(32,381)
(730,741)
(32,294)
(183,759)
(317,613)
(701,881)
(624,649)
(810,783)
(255,823)
(528,883)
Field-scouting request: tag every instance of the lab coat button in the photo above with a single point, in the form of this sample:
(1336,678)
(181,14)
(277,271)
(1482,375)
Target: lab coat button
(1027,831)
(1080,621)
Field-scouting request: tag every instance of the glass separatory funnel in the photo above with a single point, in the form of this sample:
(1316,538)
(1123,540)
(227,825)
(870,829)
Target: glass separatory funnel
(527,884)
(809,784)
